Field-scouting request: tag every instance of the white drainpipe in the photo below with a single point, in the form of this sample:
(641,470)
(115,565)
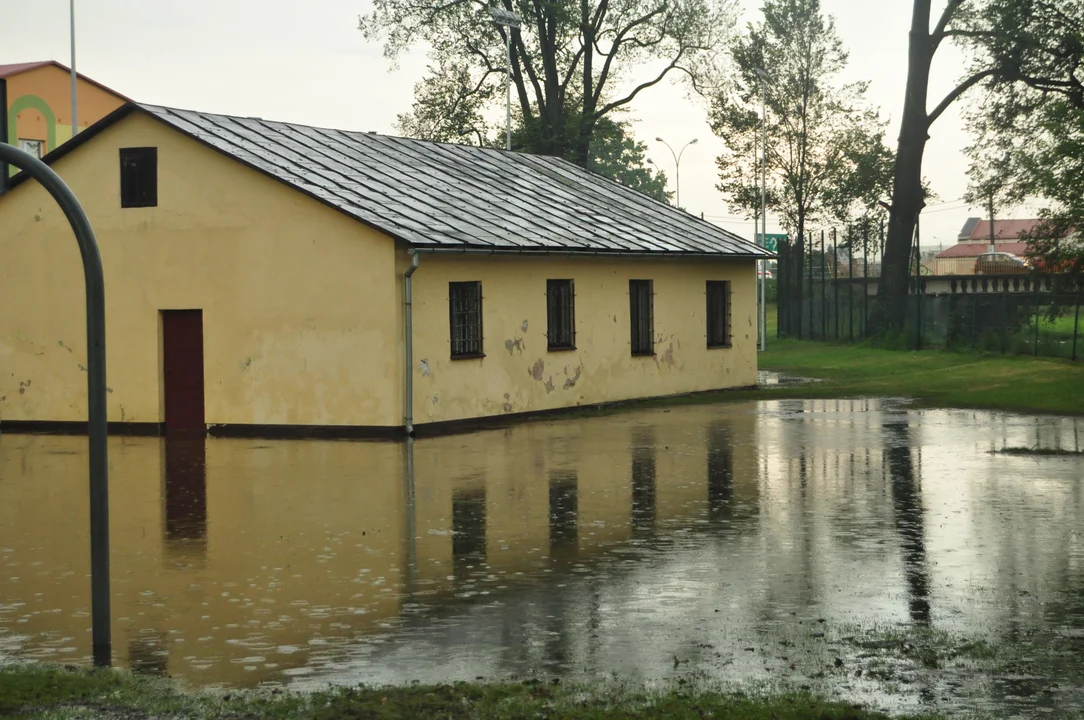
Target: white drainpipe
(408,302)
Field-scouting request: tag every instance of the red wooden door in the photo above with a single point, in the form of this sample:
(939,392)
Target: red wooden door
(182,371)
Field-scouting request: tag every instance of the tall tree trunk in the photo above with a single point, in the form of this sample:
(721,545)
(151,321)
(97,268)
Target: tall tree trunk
(890,310)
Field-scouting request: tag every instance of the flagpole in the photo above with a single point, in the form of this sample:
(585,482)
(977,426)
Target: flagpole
(75,112)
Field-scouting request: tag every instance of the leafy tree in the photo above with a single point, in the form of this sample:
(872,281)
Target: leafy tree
(566,60)
(614,153)
(1026,51)
(1029,136)
(826,157)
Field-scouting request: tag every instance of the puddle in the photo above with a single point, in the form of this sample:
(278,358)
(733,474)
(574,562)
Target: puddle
(855,547)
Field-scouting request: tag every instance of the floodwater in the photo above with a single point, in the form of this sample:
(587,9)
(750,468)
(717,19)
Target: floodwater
(855,547)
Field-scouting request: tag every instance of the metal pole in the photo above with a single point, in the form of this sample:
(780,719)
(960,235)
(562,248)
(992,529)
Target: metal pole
(764,200)
(809,244)
(850,285)
(1035,345)
(865,282)
(757,234)
(75,77)
(1076,322)
(507,86)
(918,285)
(835,279)
(824,291)
(96,389)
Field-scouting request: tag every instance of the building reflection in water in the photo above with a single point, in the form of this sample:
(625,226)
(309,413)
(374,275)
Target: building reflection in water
(564,513)
(643,480)
(905,484)
(468,528)
(720,471)
(184,499)
(250,550)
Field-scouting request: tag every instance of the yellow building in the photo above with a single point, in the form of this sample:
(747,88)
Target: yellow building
(267,278)
(37,102)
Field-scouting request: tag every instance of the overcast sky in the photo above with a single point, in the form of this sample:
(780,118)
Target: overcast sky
(306,62)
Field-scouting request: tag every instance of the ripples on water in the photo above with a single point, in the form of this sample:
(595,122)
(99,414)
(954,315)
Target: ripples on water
(786,542)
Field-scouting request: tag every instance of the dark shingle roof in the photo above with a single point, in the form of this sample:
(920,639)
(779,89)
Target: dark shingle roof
(456,196)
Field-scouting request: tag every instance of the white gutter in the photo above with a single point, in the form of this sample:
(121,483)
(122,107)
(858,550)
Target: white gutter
(408,317)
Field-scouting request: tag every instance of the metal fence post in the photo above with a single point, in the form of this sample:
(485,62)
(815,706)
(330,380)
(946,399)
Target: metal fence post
(835,280)
(974,313)
(1076,321)
(850,284)
(824,291)
(96,388)
(1035,344)
(865,283)
(812,294)
(1004,322)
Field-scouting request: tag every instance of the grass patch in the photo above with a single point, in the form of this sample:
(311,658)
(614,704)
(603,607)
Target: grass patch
(42,691)
(1057,452)
(933,378)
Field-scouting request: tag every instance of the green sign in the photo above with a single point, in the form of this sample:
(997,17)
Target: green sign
(771,240)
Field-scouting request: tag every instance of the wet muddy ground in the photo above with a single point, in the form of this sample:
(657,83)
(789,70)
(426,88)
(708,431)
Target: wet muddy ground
(853,547)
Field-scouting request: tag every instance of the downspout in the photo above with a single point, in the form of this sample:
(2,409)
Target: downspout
(408,317)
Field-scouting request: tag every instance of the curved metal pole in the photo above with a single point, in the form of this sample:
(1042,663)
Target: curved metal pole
(99,469)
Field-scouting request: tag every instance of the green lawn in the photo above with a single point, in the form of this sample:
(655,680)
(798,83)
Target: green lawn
(931,377)
(41,691)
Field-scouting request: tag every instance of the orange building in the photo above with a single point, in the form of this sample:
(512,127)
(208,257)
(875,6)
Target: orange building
(37,98)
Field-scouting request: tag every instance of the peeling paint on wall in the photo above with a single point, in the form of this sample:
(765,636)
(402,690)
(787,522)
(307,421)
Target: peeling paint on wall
(537,369)
(523,327)
(423,367)
(549,386)
(512,345)
(245,363)
(668,356)
(507,403)
(571,381)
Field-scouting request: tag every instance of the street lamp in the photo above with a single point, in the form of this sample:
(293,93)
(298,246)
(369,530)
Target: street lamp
(509,21)
(677,165)
(763,206)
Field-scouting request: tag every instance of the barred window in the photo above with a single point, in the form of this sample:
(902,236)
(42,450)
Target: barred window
(560,315)
(642,317)
(465,313)
(718,316)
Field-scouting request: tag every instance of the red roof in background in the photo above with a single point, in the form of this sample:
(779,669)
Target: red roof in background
(1003,229)
(16,68)
(974,249)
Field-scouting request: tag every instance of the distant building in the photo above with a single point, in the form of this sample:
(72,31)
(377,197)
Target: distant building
(271,278)
(974,240)
(37,102)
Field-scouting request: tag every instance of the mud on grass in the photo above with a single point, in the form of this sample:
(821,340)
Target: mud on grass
(44,691)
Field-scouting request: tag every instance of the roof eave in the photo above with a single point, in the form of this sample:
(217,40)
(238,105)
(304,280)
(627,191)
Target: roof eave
(582,252)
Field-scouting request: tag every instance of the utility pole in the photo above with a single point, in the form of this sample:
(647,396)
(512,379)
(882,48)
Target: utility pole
(992,240)
(75,77)
(763,206)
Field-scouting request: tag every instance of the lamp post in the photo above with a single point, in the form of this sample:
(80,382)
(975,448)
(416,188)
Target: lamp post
(509,21)
(763,206)
(75,112)
(677,165)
